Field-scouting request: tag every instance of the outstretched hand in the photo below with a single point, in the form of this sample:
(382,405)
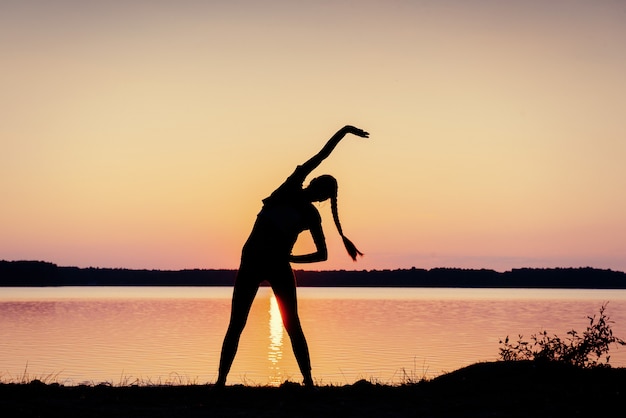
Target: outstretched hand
(349,129)
(314,161)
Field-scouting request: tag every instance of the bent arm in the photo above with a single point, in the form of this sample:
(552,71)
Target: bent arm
(321,253)
(317,159)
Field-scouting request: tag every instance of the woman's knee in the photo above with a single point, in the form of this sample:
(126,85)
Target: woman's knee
(237,323)
(292,324)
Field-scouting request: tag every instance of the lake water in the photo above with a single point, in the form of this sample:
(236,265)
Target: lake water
(164,335)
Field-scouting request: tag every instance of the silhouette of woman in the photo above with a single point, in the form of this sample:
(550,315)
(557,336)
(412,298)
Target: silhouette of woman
(266,255)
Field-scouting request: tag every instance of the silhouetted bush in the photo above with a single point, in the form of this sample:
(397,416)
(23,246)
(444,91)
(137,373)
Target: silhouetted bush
(586,350)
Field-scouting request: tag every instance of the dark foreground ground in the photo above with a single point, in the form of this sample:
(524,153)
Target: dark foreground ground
(518,389)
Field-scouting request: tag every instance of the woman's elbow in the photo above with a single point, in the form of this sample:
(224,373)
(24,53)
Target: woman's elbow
(323,254)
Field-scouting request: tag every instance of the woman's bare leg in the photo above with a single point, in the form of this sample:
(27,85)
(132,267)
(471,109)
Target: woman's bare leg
(287,302)
(243,296)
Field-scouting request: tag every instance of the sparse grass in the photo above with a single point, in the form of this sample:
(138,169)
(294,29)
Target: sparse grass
(26,377)
(402,377)
(412,377)
(173,379)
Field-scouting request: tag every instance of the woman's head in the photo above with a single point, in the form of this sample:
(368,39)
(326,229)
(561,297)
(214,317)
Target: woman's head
(322,188)
(325,187)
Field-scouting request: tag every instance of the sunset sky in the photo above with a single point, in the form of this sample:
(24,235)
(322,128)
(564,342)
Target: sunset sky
(144,134)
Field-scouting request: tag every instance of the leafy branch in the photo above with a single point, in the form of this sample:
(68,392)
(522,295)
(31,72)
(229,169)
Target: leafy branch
(586,350)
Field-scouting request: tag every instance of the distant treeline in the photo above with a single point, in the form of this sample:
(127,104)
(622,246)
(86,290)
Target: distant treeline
(39,273)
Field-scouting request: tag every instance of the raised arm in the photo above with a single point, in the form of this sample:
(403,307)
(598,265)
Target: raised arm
(316,160)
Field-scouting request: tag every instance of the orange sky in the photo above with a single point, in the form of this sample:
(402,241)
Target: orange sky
(144,134)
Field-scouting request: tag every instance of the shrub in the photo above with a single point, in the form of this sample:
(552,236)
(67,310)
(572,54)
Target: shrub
(587,350)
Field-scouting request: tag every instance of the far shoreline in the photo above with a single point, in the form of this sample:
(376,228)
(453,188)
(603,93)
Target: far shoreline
(42,274)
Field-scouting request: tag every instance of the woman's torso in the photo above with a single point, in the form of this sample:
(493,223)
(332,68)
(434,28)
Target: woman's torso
(277,228)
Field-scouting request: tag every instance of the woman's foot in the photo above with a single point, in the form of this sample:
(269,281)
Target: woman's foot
(219,384)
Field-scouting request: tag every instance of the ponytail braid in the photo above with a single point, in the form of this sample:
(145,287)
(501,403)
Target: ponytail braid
(350,247)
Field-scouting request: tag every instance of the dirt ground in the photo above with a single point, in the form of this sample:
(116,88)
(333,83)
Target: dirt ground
(498,389)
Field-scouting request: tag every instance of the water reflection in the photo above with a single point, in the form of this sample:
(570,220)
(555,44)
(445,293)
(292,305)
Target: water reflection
(90,335)
(275,349)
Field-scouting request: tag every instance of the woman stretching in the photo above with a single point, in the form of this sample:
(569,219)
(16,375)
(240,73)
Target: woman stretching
(267,253)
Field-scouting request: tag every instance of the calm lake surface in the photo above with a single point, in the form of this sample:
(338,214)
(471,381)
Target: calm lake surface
(160,335)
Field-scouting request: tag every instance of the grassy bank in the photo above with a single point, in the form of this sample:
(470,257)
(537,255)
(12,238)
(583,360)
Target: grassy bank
(511,389)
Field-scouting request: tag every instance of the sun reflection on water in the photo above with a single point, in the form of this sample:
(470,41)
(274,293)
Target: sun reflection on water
(89,334)
(275,348)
